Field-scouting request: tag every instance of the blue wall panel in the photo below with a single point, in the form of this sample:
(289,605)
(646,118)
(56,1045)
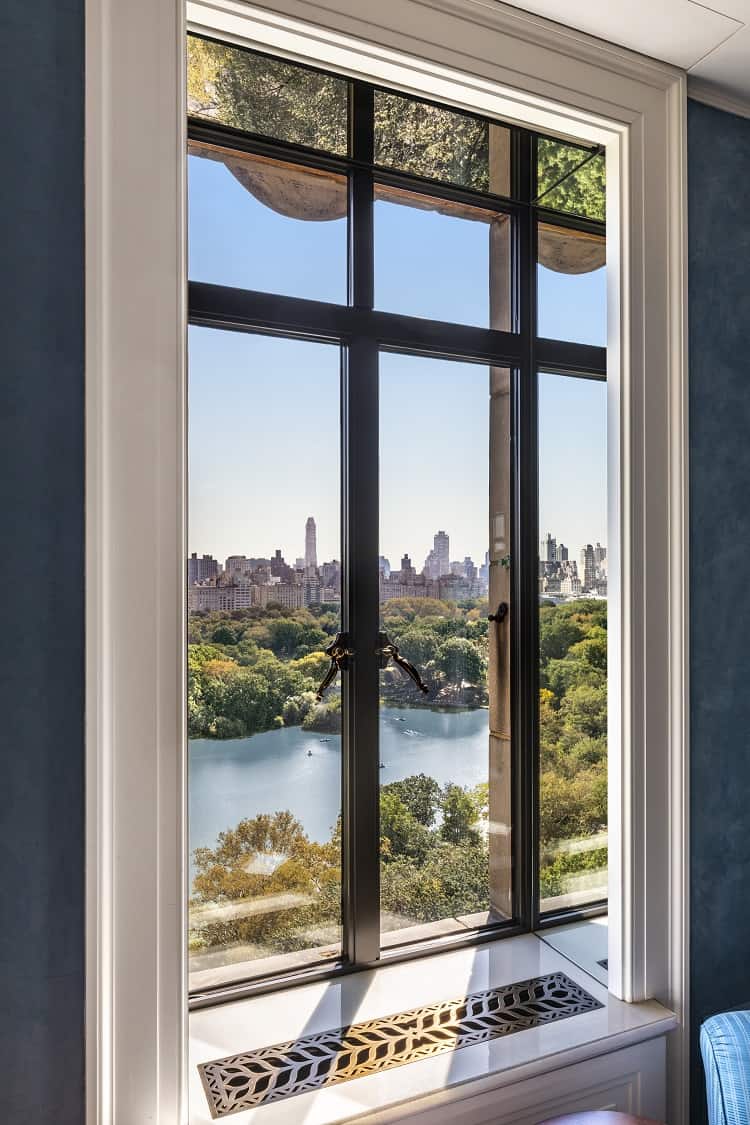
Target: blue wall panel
(719,309)
(41,548)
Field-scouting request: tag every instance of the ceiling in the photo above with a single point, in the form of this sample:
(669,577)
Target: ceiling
(711,43)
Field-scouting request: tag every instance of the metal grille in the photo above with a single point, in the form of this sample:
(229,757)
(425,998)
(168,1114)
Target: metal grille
(257,1077)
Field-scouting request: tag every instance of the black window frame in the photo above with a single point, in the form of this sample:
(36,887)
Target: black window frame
(362,332)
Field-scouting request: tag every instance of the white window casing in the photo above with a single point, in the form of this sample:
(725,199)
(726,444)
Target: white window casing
(483,56)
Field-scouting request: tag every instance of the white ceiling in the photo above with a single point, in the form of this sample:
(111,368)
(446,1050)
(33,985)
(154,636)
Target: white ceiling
(711,43)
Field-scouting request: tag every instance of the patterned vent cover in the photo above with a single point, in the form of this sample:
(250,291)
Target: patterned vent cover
(258,1077)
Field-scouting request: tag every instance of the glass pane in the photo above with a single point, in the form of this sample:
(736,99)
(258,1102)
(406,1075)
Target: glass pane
(264,757)
(256,223)
(442,260)
(445,753)
(572,286)
(272,97)
(573,640)
(570,179)
(441,144)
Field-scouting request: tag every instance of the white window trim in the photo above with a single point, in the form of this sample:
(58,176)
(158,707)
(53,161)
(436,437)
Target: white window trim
(522,67)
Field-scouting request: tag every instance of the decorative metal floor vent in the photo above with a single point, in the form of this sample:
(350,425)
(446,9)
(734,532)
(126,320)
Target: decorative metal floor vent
(257,1077)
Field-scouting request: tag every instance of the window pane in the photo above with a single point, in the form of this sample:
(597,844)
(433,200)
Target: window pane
(571,286)
(264,224)
(445,754)
(573,641)
(264,757)
(570,179)
(442,260)
(441,144)
(268,96)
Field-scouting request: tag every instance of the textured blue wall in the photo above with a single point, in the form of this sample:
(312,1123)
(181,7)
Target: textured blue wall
(719,309)
(41,548)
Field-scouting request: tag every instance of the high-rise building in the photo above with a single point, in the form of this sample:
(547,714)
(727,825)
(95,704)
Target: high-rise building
(441,546)
(408,573)
(384,566)
(198,570)
(561,555)
(587,572)
(548,549)
(600,553)
(431,567)
(311,546)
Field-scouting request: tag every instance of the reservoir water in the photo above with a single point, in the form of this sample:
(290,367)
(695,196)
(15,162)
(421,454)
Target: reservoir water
(236,778)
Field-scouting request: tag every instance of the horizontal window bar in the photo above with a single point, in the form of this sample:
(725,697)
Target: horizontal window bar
(262,986)
(241,309)
(225,136)
(564,358)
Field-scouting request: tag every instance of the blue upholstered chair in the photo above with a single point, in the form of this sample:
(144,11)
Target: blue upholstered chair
(725,1046)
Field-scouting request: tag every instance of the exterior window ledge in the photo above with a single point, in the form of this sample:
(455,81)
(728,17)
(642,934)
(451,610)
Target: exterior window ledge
(279,1017)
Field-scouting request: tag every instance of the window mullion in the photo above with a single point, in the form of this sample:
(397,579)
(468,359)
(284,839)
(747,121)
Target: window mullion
(523,557)
(361,777)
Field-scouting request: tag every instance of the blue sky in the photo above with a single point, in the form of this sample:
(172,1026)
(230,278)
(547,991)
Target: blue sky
(264,412)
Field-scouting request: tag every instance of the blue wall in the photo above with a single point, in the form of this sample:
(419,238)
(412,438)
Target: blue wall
(41,501)
(719,309)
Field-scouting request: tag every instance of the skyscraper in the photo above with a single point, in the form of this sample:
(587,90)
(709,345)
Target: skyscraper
(547,549)
(311,549)
(587,572)
(442,552)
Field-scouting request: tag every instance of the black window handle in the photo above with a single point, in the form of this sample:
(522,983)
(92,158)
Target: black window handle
(339,652)
(500,615)
(389,651)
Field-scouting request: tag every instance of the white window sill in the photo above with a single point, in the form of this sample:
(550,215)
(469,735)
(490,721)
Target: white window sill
(262,1021)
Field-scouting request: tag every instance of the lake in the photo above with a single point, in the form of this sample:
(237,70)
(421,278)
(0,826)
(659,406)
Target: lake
(241,777)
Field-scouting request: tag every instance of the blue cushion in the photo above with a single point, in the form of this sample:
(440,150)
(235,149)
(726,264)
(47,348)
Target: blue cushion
(725,1046)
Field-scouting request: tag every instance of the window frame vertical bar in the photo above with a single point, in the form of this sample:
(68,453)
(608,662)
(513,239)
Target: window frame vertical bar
(360,595)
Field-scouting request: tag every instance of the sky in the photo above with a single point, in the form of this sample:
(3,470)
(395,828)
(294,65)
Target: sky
(264,412)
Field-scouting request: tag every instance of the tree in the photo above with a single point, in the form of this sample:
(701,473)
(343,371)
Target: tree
(401,834)
(459,816)
(265,95)
(582,190)
(459,660)
(419,793)
(418,645)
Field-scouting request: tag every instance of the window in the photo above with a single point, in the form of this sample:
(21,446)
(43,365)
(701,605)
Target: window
(396,355)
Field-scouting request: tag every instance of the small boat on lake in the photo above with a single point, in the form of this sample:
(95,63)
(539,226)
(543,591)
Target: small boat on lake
(324,740)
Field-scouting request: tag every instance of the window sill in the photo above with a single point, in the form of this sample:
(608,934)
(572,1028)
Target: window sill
(279,1017)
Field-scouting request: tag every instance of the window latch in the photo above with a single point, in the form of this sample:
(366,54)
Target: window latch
(500,615)
(340,653)
(389,651)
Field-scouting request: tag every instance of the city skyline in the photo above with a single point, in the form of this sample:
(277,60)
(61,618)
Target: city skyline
(448,559)
(264,412)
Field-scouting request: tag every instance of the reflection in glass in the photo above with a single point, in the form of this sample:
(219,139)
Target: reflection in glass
(258,223)
(442,260)
(571,286)
(445,754)
(264,95)
(570,179)
(573,641)
(264,756)
(441,144)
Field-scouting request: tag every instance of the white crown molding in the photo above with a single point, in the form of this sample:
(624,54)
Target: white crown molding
(562,39)
(699,90)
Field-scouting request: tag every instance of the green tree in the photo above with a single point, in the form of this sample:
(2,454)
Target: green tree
(460,815)
(401,834)
(459,660)
(419,793)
